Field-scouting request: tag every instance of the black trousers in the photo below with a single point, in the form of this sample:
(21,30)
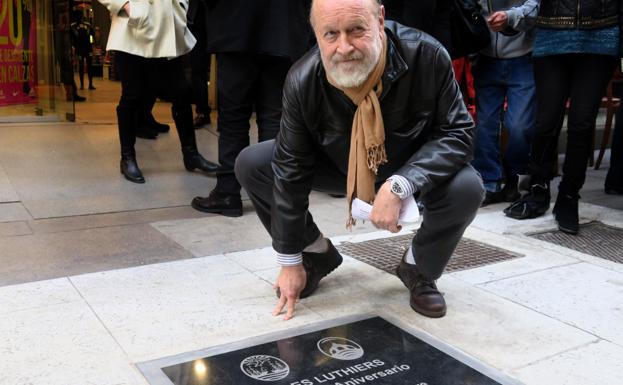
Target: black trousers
(88,58)
(581,78)
(200,63)
(615,172)
(448,208)
(142,79)
(246,82)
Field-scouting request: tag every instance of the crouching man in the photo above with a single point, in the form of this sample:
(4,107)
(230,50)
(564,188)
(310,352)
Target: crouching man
(373,112)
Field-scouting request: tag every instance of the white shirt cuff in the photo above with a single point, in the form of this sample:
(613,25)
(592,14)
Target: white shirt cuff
(290,259)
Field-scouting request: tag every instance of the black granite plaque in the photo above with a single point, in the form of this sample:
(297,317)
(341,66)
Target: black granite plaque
(370,352)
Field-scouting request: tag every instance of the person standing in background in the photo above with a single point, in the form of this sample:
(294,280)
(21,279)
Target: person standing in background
(575,53)
(256,42)
(430,16)
(82,39)
(503,76)
(62,50)
(149,40)
(199,62)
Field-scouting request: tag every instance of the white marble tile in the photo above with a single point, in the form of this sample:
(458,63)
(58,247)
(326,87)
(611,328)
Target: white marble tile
(533,257)
(13,212)
(497,331)
(15,298)
(502,334)
(254,260)
(598,363)
(215,234)
(7,192)
(583,295)
(499,223)
(212,265)
(160,312)
(354,288)
(61,345)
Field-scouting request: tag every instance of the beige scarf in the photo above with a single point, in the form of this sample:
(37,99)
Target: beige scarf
(367,140)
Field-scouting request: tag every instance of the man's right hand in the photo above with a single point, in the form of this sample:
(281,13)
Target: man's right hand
(290,283)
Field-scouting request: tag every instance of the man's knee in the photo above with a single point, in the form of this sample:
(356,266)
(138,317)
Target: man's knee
(466,191)
(253,160)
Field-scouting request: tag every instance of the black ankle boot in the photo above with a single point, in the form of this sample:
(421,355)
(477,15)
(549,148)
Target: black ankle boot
(129,169)
(194,160)
(534,204)
(566,213)
(229,205)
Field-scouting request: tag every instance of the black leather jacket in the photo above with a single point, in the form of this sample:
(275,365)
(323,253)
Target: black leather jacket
(428,131)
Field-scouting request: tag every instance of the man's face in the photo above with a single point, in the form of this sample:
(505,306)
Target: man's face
(350,37)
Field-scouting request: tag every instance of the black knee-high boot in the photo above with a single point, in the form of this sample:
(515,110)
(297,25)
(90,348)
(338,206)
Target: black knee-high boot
(126,118)
(183,117)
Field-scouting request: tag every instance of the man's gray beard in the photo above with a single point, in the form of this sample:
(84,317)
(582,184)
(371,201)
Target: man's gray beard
(350,80)
(360,75)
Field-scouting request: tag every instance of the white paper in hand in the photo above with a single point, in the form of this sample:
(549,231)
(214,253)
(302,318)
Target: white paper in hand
(409,211)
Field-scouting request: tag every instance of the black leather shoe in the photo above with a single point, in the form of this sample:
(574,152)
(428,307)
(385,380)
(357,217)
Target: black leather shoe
(193,160)
(425,298)
(91,87)
(566,213)
(160,127)
(202,120)
(317,266)
(146,133)
(129,169)
(532,205)
(218,203)
(77,98)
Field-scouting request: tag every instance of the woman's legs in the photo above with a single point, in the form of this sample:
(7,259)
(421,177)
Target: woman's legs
(552,78)
(132,71)
(582,78)
(177,89)
(588,84)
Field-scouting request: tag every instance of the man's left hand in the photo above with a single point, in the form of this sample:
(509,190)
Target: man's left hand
(498,21)
(386,209)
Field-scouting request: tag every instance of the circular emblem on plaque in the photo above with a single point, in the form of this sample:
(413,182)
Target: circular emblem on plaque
(340,348)
(264,368)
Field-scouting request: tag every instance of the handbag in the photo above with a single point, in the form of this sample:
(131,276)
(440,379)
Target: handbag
(468,28)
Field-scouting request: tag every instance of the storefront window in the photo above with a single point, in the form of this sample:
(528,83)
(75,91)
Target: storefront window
(36,75)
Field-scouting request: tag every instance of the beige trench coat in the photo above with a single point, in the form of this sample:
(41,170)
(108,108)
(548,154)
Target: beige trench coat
(155,28)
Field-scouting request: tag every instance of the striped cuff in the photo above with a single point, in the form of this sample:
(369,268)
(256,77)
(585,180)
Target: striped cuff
(404,183)
(290,259)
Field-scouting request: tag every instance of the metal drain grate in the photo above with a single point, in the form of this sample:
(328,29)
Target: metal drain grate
(594,238)
(385,253)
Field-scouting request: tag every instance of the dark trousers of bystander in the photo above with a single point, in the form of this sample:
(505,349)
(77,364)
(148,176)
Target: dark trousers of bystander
(581,79)
(246,82)
(141,80)
(448,208)
(200,64)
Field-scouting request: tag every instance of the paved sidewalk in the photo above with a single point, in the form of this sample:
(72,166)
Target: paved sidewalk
(551,317)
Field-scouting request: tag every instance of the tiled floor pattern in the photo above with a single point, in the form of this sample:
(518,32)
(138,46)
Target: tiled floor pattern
(552,311)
